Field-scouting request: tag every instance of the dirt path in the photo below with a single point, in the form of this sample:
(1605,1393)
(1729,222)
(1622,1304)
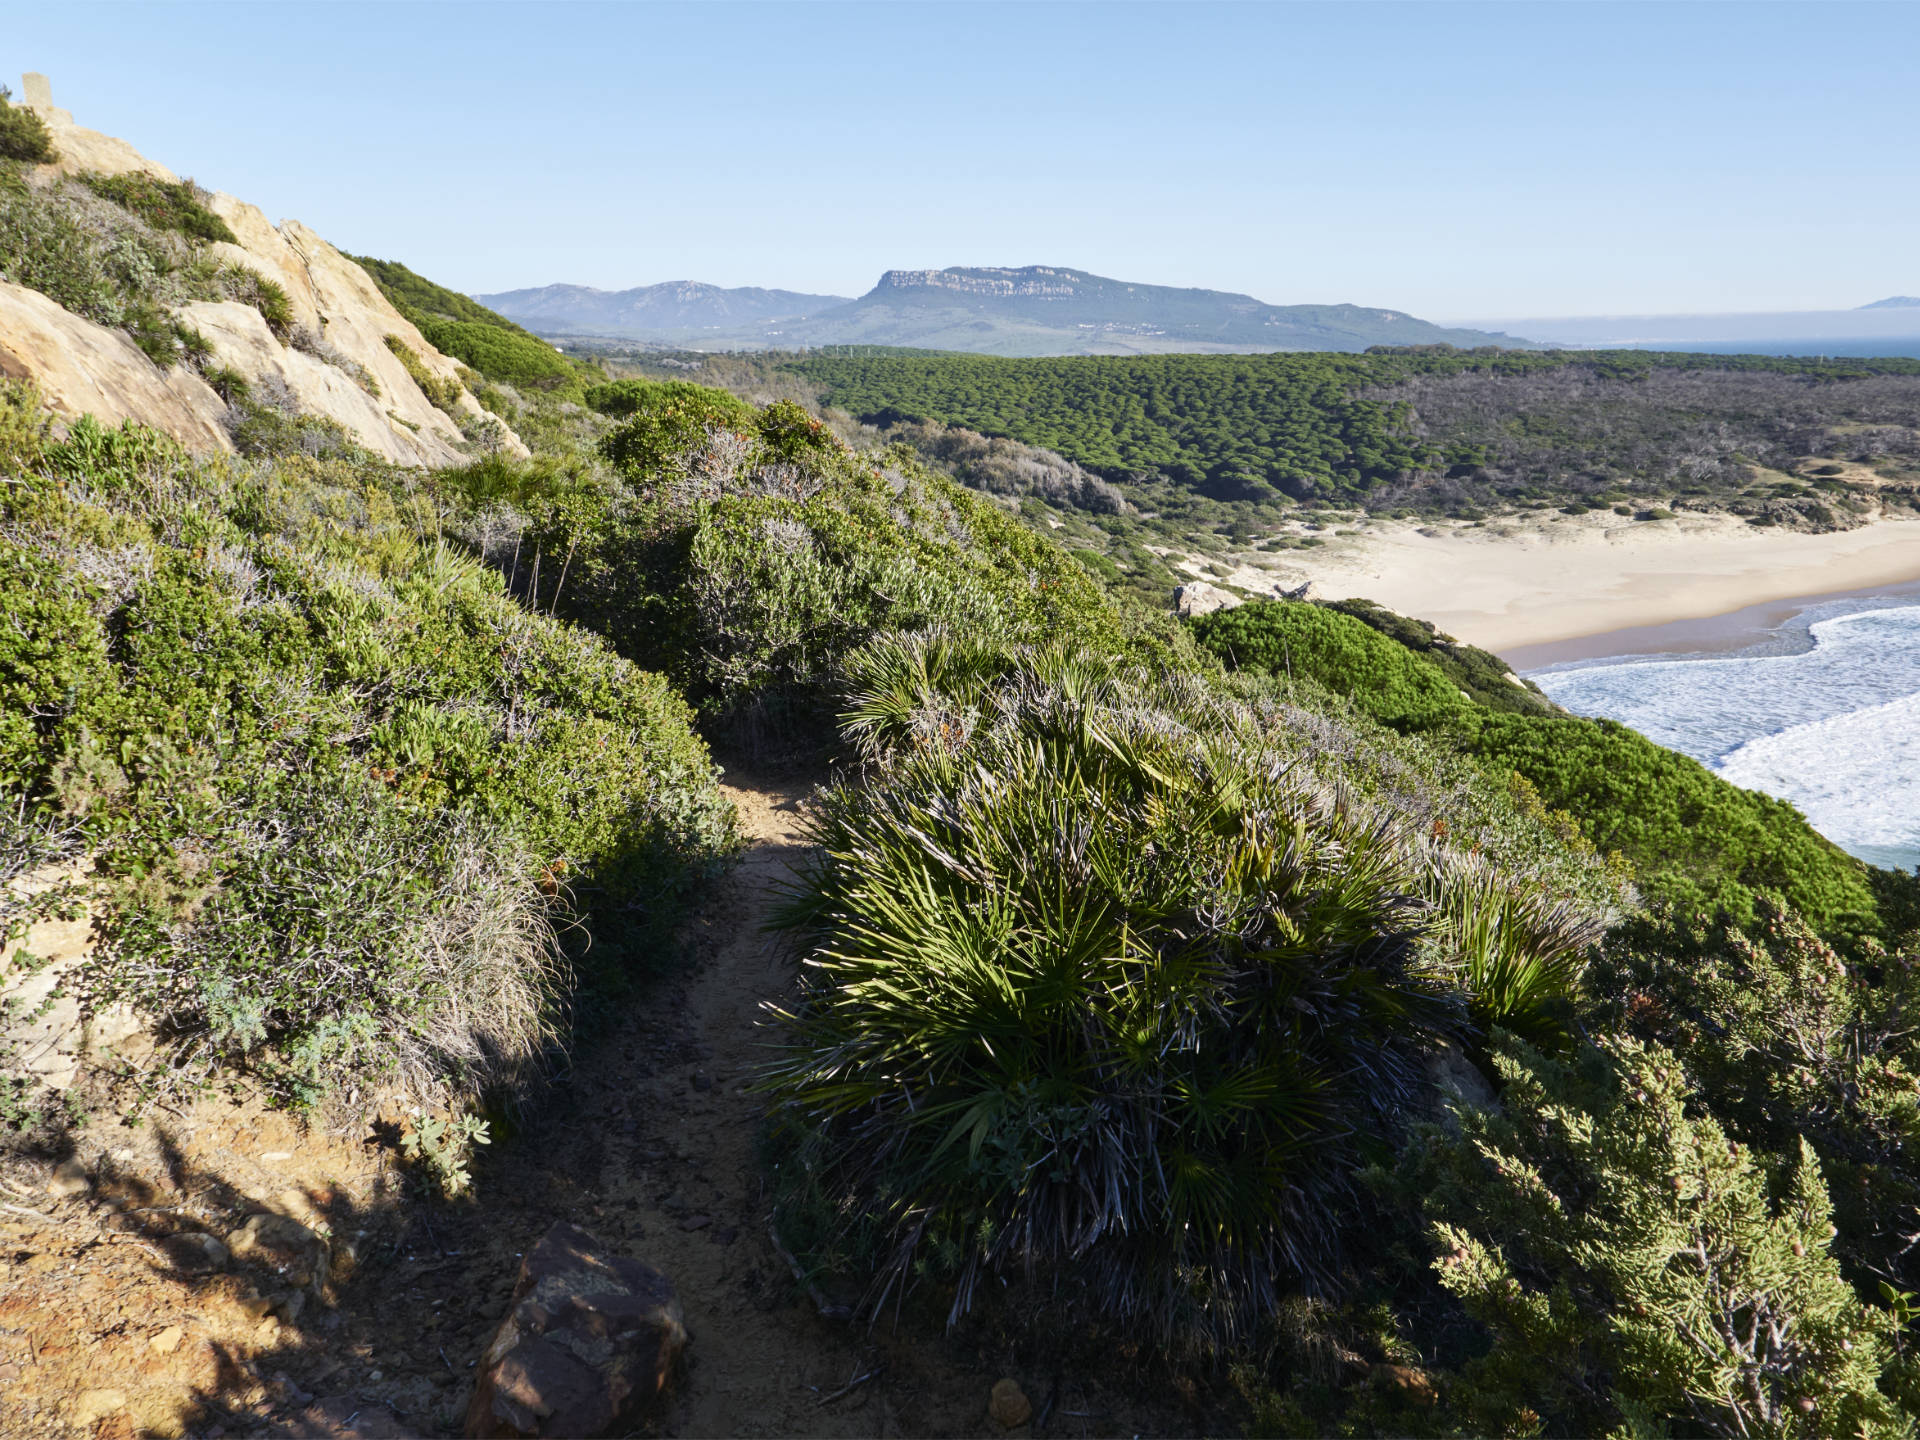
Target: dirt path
(651,1143)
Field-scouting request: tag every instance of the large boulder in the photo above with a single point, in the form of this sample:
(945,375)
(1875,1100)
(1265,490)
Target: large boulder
(588,1346)
(1197,597)
(86,369)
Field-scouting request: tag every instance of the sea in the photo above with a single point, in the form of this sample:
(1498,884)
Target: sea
(1821,709)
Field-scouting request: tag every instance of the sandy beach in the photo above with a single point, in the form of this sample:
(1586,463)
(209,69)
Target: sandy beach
(1520,586)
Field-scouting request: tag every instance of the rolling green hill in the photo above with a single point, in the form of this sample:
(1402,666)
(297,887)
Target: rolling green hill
(492,344)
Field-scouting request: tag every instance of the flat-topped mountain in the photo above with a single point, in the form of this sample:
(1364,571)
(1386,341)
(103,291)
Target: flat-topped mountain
(1045,309)
(673,310)
(1032,310)
(1895,302)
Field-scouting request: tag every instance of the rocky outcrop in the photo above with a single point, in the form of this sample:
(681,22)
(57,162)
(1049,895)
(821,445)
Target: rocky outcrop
(45,1034)
(357,319)
(242,341)
(1197,597)
(587,1348)
(83,368)
(78,149)
(264,250)
(334,303)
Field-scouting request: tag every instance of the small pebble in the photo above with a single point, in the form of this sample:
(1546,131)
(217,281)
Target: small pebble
(1008,1404)
(69,1179)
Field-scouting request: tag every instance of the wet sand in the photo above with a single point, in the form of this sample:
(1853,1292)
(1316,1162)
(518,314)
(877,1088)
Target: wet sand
(1735,630)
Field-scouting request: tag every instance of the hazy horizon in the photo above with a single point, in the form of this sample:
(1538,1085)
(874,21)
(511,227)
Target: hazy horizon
(1447,160)
(1884,320)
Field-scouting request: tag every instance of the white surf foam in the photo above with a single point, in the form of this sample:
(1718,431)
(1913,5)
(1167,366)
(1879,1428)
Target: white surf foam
(1835,729)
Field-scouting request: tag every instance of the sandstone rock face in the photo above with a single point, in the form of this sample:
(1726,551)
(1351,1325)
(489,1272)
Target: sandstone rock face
(264,250)
(1197,597)
(359,318)
(587,1347)
(45,1035)
(335,300)
(83,368)
(241,339)
(77,148)
(332,298)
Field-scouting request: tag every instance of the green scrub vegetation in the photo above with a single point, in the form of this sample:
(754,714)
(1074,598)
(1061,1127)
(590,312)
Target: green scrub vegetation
(1428,427)
(1693,839)
(330,776)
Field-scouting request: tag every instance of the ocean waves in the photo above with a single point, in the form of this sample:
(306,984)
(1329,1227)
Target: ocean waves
(1832,726)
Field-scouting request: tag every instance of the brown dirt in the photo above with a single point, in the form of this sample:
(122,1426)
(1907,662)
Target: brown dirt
(651,1142)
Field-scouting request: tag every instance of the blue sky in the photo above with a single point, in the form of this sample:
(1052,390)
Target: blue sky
(1454,160)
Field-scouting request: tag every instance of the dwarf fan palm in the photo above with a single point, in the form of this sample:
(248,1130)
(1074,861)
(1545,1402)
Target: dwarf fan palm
(1092,985)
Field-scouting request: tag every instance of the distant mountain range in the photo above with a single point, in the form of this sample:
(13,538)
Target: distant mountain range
(1034,310)
(678,308)
(1895,302)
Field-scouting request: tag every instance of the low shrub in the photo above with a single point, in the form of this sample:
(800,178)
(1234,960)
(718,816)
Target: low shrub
(667,421)
(349,934)
(176,205)
(1787,1042)
(458,325)
(269,297)
(417,297)
(746,559)
(1694,840)
(1093,991)
(1518,951)
(34,848)
(501,354)
(23,134)
(104,262)
(261,429)
(335,781)
(441,393)
(1121,977)
(45,246)
(623,399)
(1382,677)
(1485,677)
(1640,1272)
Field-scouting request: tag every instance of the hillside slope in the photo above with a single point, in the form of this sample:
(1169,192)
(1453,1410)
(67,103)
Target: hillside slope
(198,315)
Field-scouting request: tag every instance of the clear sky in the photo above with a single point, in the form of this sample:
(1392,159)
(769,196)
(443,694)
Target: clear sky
(1454,160)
